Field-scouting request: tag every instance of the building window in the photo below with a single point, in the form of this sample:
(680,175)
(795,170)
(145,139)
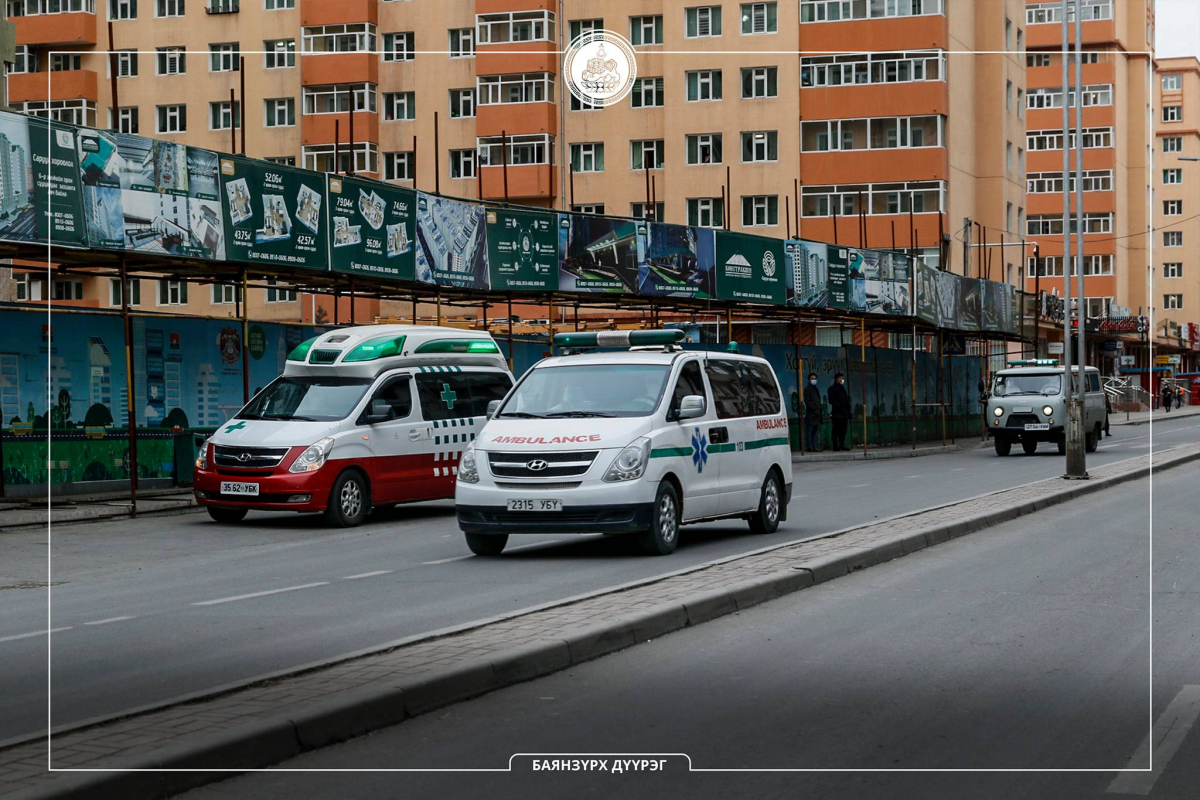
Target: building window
(462,103)
(1172,208)
(172,293)
(226,294)
(221,117)
(1097,95)
(122,9)
(1173,269)
(1172,144)
(1020,103)
(704,84)
(582,26)
(351,38)
(279,5)
(647,93)
(127,119)
(65,62)
(1172,83)
(1096,180)
(523,149)
(871,134)
(581,105)
(284,161)
(1093,138)
(760,82)
(462,42)
(529,87)
(25,59)
(1008,156)
(843,10)
(587,157)
(337,99)
(34,8)
(114,292)
(323,158)
(1173,302)
(171,61)
(1008,34)
(398,166)
(277,292)
(29,289)
(515,26)
(706,212)
(223,57)
(760,146)
(168,8)
(462,163)
(1172,113)
(643,211)
(399,46)
(1172,238)
(703,22)
(646,30)
(172,119)
(588,208)
(704,148)
(868,68)
(1052,224)
(401,106)
(67,290)
(280,53)
(1008,94)
(1172,177)
(921,197)
(760,211)
(279,112)
(759,18)
(75,112)
(1043,13)
(646,153)
(1052,266)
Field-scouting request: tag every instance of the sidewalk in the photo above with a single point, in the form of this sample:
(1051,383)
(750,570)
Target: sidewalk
(889,451)
(263,722)
(1144,417)
(31,512)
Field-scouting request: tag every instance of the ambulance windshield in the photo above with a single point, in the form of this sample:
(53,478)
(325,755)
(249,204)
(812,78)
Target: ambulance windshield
(593,390)
(306,398)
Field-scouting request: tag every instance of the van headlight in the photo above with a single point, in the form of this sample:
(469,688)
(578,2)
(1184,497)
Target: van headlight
(998,411)
(313,457)
(630,463)
(468,467)
(1047,410)
(202,456)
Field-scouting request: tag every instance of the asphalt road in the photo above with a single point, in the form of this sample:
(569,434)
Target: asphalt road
(151,609)
(1023,647)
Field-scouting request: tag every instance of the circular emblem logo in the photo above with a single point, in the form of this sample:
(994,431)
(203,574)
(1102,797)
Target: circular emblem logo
(768,263)
(537,465)
(599,67)
(243,457)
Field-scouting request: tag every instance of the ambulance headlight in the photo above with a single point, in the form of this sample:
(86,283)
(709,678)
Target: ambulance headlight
(468,467)
(630,463)
(1047,410)
(313,457)
(998,411)
(202,456)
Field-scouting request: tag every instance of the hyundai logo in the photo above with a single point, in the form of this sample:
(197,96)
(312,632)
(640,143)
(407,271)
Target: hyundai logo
(537,465)
(243,457)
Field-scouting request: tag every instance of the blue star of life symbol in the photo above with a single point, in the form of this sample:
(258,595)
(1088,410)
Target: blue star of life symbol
(699,450)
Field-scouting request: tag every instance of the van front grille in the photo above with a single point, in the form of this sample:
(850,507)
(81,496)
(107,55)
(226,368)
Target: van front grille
(248,457)
(556,465)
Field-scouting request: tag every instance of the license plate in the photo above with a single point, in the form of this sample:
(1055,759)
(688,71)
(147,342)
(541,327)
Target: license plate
(246,489)
(535,505)
(1037,426)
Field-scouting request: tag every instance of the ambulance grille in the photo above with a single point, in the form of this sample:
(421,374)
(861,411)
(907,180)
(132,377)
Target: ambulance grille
(248,457)
(558,465)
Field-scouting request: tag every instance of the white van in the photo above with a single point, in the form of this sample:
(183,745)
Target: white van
(1028,404)
(639,441)
(361,417)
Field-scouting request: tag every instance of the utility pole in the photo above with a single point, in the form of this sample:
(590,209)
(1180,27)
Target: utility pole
(1076,467)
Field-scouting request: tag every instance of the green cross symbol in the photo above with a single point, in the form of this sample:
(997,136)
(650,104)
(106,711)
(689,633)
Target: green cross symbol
(448,396)
(236,427)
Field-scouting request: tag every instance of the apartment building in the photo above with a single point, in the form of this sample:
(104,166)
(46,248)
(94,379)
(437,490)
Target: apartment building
(1176,203)
(1116,101)
(875,117)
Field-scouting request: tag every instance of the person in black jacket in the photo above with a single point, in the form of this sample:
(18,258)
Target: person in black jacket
(839,411)
(813,415)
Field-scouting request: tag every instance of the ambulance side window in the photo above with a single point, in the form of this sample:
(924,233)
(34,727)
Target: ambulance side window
(690,382)
(731,396)
(398,394)
(763,386)
(454,395)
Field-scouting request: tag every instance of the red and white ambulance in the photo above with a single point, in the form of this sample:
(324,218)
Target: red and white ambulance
(361,418)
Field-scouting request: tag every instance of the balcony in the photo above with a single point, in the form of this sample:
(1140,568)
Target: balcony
(335,12)
(849,101)
(73,28)
(1049,35)
(526,181)
(492,120)
(513,57)
(317,69)
(877,35)
(319,128)
(892,165)
(222,7)
(65,85)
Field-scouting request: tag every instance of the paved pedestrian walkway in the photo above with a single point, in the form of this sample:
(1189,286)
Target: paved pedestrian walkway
(271,720)
(888,451)
(1144,417)
(33,512)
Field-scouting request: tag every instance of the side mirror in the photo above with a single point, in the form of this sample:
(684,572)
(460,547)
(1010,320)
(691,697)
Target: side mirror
(381,411)
(492,407)
(692,406)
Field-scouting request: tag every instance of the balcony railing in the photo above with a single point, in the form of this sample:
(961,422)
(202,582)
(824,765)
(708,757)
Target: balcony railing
(223,7)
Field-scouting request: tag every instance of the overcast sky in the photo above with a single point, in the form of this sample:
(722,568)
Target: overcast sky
(1177,30)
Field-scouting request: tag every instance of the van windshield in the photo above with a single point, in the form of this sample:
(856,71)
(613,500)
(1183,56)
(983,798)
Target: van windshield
(1046,384)
(311,399)
(594,390)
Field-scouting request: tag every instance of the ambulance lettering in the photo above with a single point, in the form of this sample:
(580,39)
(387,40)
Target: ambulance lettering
(590,437)
(770,424)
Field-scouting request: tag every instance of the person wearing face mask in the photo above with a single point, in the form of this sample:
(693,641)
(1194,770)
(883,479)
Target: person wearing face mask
(839,411)
(813,414)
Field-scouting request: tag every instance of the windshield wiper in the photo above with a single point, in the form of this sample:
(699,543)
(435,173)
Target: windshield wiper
(289,417)
(521,415)
(248,416)
(580,414)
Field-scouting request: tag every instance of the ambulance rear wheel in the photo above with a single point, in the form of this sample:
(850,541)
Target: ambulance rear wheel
(349,500)
(226,516)
(770,503)
(483,544)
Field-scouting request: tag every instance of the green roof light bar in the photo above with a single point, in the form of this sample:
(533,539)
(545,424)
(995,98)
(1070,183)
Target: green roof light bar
(619,338)
(300,351)
(372,349)
(469,346)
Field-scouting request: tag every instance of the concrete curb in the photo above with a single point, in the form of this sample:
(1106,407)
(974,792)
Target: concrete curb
(20,527)
(1158,415)
(270,741)
(883,455)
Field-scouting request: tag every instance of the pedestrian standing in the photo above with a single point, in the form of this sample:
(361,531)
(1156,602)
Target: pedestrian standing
(1167,396)
(839,411)
(1107,412)
(1179,397)
(813,414)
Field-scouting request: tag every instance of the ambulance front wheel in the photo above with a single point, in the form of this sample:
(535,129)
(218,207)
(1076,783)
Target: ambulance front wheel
(663,535)
(349,500)
(483,544)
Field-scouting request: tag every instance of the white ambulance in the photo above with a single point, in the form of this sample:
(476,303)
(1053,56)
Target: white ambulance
(639,441)
(361,418)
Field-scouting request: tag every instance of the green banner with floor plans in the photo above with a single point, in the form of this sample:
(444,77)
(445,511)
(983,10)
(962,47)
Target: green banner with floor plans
(522,250)
(371,226)
(274,214)
(750,268)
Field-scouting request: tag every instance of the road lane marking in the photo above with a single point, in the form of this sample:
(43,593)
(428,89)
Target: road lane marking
(913,476)
(220,600)
(106,621)
(1167,734)
(859,485)
(367,574)
(33,633)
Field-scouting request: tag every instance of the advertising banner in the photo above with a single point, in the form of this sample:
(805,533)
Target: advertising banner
(676,260)
(750,268)
(598,254)
(808,266)
(373,228)
(451,243)
(100,173)
(877,281)
(998,311)
(925,281)
(170,198)
(839,278)
(273,214)
(522,250)
(38,179)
